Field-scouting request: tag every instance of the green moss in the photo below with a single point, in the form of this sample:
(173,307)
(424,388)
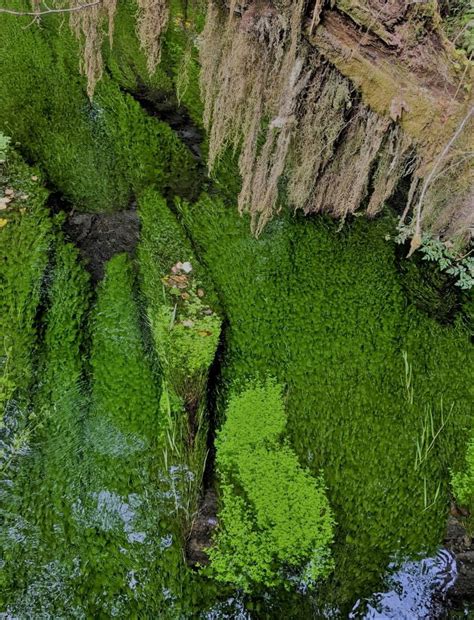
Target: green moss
(325,313)
(97,154)
(185,331)
(275,523)
(42,515)
(25,238)
(429,289)
(124,390)
(463,482)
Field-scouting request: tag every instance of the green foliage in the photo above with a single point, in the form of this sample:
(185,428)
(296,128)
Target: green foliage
(25,237)
(459,24)
(124,390)
(4,142)
(185,329)
(275,519)
(324,312)
(97,154)
(185,332)
(462,269)
(463,482)
(64,323)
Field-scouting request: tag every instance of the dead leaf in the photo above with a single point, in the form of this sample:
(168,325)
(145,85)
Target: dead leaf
(9,191)
(188,323)
(200,292)
(204,332)
(177,281)
(3,222)
(34,178)
(414,245)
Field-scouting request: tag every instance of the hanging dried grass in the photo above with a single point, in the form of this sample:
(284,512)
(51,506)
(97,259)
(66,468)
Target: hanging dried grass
(87,25)
(324,113)
(252,71)
(256,73)
(392,164)
(152,20)
(293,116)
(344,184)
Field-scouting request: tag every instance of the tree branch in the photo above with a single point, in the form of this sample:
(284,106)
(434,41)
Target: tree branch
(71,9)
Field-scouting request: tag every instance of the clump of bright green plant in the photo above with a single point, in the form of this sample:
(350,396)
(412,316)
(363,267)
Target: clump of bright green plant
(124,389)
(184,326)
(463,482)
(25,238)
(275,522)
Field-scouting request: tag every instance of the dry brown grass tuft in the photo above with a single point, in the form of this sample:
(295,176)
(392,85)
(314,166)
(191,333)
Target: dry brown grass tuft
(252,71)
(87,26)
(152,20)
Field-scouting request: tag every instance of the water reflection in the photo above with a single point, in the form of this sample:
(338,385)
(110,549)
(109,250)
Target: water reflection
(416,589)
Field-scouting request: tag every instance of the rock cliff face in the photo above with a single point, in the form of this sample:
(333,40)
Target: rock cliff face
(462,545)
(398,58)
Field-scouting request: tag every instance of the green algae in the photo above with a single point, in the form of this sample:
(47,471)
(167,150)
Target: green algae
(25,240)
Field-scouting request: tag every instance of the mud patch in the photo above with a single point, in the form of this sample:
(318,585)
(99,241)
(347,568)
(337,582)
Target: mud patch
(99,236)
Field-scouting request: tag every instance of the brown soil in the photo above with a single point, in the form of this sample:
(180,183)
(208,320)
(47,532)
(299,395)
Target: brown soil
(99,236)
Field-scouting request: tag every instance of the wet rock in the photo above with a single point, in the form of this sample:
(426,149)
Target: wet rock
(202,530)
(459,542)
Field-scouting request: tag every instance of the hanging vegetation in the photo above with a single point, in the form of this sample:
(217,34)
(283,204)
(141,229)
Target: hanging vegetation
(327,106)
(300,122)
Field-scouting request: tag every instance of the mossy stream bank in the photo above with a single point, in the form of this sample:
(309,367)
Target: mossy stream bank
(102,468)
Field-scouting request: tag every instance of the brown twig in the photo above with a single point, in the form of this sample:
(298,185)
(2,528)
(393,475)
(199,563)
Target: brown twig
(35,14)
